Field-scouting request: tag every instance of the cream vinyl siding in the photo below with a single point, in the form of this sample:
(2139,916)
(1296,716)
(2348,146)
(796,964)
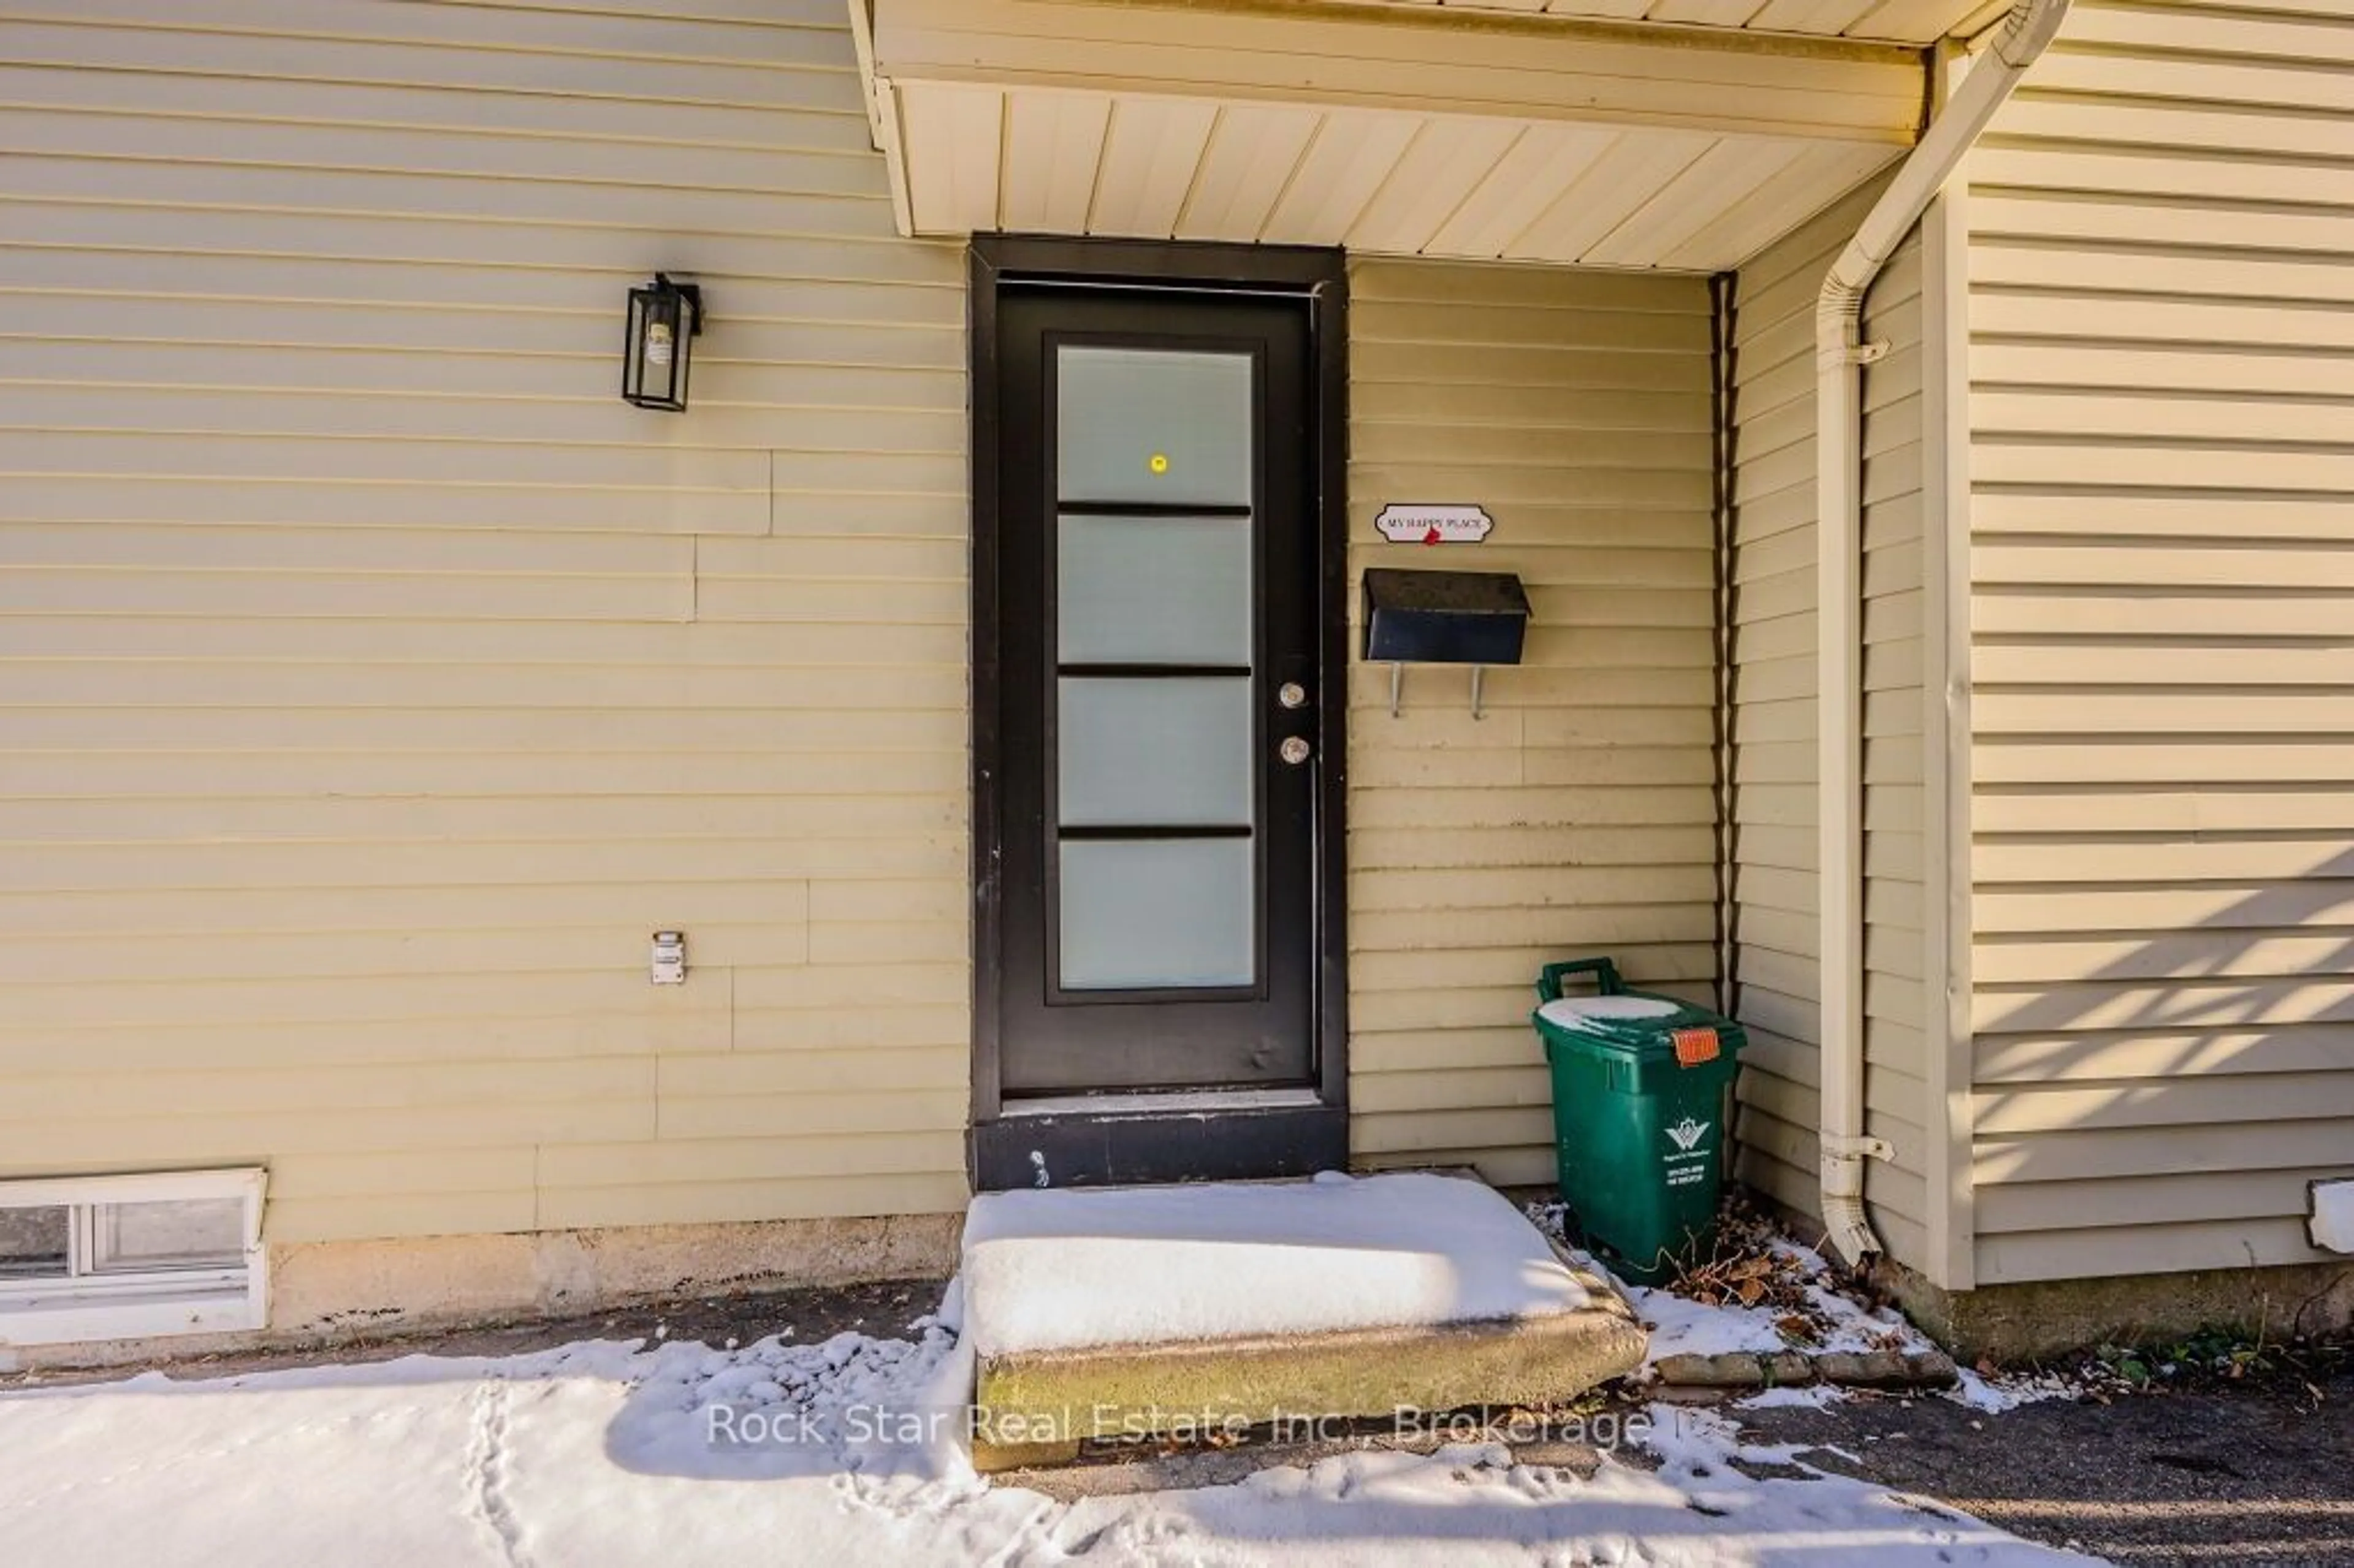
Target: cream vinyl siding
(1576,817)
(1896,1059)
(2162,551)
(377,682)
(1777,943)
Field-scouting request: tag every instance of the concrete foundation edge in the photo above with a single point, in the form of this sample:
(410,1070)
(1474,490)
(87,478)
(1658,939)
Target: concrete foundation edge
(331,1292)
(2013,1324)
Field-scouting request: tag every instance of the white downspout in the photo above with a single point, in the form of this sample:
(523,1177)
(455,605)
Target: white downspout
(1841,355)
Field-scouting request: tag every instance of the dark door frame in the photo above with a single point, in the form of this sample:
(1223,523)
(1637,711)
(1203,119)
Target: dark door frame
(1116,1144)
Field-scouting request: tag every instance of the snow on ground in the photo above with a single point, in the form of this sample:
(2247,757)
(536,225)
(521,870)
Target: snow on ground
(1056,1269)
(1811,1397)
(611,1455)
(1683,1326)
(2008,1392)
(604,1455)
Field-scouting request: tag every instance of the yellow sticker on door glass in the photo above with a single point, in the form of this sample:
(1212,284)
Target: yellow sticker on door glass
(1159,463)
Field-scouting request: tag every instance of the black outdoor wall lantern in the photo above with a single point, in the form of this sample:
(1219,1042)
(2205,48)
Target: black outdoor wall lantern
(665,318)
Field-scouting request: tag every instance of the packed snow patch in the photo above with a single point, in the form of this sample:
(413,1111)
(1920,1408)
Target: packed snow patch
(1473,1503)
(1827,1320)
(2000,1395)
(850,1405)
(1073,1269)
(1681,1326)
(602,1455)
(1836,1322)
(1813,1397)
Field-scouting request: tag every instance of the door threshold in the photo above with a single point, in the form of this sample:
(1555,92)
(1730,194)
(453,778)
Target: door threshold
(1123,1141)
(1162,1104)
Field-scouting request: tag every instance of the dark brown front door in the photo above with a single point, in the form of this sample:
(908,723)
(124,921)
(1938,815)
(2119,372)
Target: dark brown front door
(1159,687)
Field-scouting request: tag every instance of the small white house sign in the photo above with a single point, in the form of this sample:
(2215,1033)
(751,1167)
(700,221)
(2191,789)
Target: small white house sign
(1404,524)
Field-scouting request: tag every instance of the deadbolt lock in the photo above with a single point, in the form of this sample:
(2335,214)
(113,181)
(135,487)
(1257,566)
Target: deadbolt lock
(1291,695)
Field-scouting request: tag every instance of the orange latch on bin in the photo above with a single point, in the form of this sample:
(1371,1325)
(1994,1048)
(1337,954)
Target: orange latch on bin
(1694,1046)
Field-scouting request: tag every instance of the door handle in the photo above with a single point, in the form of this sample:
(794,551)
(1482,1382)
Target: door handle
(1291,695)
(1294,751)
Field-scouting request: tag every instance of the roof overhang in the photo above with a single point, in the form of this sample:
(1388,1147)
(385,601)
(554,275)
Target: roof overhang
(1403,129)
(1916,22)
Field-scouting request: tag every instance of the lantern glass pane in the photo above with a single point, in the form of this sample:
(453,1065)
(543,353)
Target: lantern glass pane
(684,319)
(633,368)
(662,323)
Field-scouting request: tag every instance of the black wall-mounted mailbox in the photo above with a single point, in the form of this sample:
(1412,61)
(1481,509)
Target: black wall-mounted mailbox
(1444,617)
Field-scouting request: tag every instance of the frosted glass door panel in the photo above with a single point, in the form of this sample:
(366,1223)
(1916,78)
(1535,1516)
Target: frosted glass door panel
(1151,584)
(1147,914)
(1153,425)
(1165,753)
(1153,590)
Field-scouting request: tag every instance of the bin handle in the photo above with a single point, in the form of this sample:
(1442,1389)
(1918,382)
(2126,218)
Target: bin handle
(1605,973)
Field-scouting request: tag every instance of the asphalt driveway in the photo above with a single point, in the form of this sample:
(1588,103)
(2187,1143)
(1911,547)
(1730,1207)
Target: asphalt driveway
(2260,1475)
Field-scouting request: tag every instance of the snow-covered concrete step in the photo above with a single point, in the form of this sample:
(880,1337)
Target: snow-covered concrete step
(1194,1310)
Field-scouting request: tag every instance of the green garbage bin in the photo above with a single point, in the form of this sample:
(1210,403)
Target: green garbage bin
(1641,1089)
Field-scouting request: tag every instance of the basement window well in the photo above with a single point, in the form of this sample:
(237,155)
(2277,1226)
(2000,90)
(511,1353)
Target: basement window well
(117,1257)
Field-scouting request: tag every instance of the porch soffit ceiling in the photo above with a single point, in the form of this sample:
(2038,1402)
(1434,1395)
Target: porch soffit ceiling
(1916,22)
(1494,130)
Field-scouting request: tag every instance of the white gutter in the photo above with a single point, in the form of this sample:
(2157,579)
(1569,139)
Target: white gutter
(1841,355)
